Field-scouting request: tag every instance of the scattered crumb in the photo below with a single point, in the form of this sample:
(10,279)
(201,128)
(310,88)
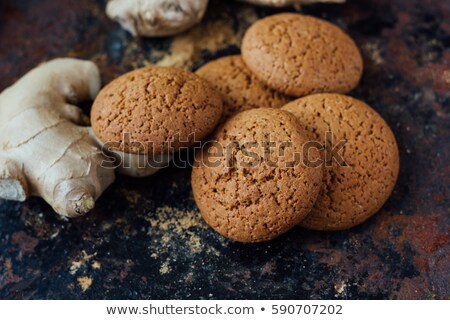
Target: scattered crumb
(189,278)
(77,264)
(340,288)
(165,268)
(169,218)
(106,225)
(96,264)
(54,234)
(84,282)
(171,223)
(195,243)
(187,47)
(168,225)
(165,240)
(120,220)
(374,53)
(211,36)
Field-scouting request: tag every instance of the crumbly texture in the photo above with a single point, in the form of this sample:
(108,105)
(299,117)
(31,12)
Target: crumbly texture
(240,88)
(187,49)
(160,109)
(299,55)
(351,194)
(255,198)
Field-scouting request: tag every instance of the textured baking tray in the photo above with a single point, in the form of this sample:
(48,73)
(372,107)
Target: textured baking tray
(146,238)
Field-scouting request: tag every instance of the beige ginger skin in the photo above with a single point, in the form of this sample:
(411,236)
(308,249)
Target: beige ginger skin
(156,18)
(44,150)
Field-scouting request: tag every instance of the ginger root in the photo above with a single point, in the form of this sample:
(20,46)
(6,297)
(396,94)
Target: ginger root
(156,18)
(44,150)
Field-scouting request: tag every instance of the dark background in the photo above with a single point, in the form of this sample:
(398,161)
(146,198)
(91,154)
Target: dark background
(146,239)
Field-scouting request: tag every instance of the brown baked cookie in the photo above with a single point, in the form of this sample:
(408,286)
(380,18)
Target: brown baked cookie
(240,88)
(252,183)
(299,55)
(147,109)
(362,174)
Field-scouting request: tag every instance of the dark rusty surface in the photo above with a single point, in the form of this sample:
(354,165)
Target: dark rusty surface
(145,239)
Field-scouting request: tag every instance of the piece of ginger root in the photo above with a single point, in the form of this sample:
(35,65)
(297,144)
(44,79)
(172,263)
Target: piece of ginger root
(156,18)
(44,150)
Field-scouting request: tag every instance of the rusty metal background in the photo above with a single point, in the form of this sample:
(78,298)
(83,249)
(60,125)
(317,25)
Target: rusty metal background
(146,239)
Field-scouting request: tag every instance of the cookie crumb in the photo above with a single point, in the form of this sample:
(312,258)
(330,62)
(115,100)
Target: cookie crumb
(165,268)
(84,282)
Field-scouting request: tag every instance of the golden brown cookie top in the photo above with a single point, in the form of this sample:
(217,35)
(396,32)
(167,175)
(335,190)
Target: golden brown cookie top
(240,88)
(353,192)
(251,184)
(299,55)
(148,109)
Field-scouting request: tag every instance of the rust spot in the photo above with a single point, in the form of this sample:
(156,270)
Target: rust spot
(268,268)
(413,290)
(123,274)
(422,264)
(422,233)
(7,274)
(26,243)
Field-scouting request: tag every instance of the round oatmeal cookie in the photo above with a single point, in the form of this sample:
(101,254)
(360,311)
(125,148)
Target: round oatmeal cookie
(154,110)
(299,55)
(240,88)
(252,182)
(361,159)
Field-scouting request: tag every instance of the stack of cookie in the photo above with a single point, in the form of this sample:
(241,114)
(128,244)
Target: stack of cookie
(325,161)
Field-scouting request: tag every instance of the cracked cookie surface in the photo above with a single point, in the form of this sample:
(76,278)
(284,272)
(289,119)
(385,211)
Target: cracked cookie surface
(354,192)
(241,90)
(249,184)
(299,55)
(154,110)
